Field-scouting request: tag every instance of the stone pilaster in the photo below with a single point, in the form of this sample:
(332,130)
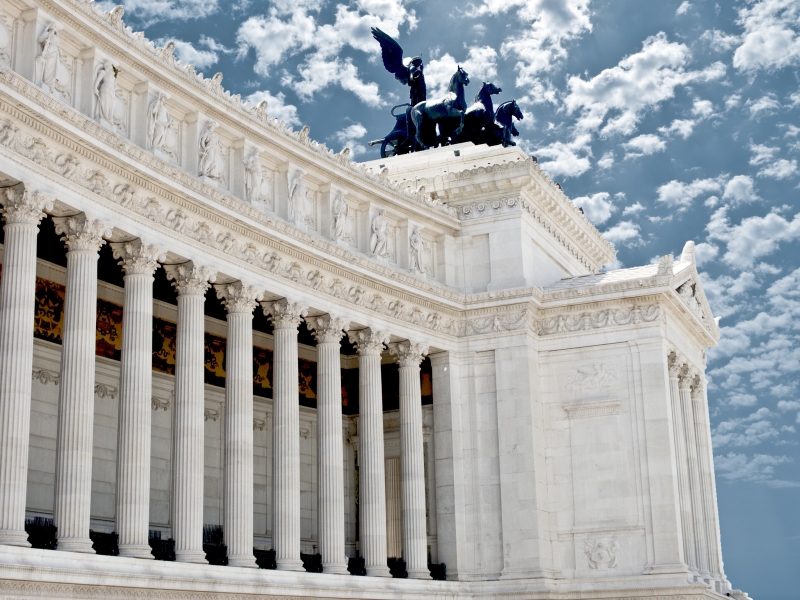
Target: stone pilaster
(139,261)
(191,281)
(83,237)
(698,520)
(415,539)
(684,490)
(372,483)
(286,316)
(240,300)
(329,331)
(22,213)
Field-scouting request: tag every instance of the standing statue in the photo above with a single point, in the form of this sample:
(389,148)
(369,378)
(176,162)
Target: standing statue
(49,61)
(253,177)
(105,92)
(408,71)
(209,148)
(379,241)
(340,212)
(161,136)
(415,250)
(297,194)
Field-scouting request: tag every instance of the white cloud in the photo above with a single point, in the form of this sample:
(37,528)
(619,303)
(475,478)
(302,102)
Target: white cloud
(742,400)
(542,44)
(740,189)
(625,233)
(276,106)
(780,169)
(725,291)
(753,237)
(606,161)
(598,207)
(679,194)
(633,209)
(480,65)
(643,145)
(639,82)
(719,40)
(704,253)
(682,127)
(759,469)
(190,55)
(272,37)
(683,8)
(350,136)
(732,101)
(762,153)
(702,108)
(785,405)
(763,106)
(318,72)
(566,161)
(770,40)
(152,11)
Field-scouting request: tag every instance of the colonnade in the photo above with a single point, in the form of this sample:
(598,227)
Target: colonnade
(84,236)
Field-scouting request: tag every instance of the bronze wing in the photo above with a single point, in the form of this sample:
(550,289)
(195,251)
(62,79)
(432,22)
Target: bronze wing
(392,55)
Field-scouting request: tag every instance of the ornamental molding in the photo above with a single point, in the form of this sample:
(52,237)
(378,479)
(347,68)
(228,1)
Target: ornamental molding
(259,424)
(159,403)
(210,414)
(219,102)
(105,391)
(592,408)
(46,376)
(488,208)
(600,319)
(640,283)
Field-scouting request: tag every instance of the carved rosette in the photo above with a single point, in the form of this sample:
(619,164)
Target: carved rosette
(190,279)
(368,341)
(137,257)
(328,329)
(285,314)
(82,233)
(24,206)
(239,297)
(408,353)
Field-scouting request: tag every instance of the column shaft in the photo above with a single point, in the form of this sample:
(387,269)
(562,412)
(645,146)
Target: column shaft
(698,519)
(17,307)
(372,482)
(286,436)
(189,424)
(329,332)
(139,262)
(73,485)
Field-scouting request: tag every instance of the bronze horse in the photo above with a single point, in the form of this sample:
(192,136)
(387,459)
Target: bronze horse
(427,114)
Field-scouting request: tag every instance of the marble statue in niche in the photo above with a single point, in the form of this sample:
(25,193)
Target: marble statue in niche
(5,42)
(210,150)
(105,92)
(253,177)
(415,250)
(341,211)
(52,72)
(162,133)
(297,198)
(602,555)
(379,240)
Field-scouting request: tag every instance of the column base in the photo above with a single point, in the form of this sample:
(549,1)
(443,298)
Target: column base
(335,569)
(83,545)
(243,560)
(191,556)
(14,537)
(288,564)
(378,571)
(419,574)
(136,551)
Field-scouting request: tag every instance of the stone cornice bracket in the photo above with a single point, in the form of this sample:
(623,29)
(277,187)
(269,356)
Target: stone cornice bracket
(327,329)
(285,314)
(137,257)
(368,341)
(190,279)
(81,233)
(408,353)
(23,205)
(239,297)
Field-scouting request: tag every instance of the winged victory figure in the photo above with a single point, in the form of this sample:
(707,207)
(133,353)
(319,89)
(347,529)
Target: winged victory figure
(408,71)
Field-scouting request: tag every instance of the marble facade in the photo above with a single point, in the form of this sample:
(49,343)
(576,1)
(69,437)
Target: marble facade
(561,447)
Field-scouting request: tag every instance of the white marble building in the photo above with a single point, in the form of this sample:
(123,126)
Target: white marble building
(561,448)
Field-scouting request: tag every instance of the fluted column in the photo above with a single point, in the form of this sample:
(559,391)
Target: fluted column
(22,213)
(415,538)
(240,300)
(191,281)
(684,492)
(83,237)
(698,520)
(329,331)
(372,482)
(139,261)
(286,316)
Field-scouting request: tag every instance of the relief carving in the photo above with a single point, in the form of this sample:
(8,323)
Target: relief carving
(162,133)
(592,378)
(341,210)
(379,240)
(52,72)
(210,151)
(602,554)
(415,247)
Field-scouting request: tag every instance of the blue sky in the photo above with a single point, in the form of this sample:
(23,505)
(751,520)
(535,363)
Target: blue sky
(666,121)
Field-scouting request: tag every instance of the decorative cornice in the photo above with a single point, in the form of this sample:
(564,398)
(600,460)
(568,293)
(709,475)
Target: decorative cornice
(592,408)
(601,319)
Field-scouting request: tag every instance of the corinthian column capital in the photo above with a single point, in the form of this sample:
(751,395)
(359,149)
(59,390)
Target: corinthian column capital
(82,233)
(686,377)
(137,257)
(285,314)
(698,388)
(408,353)
(327,328)
(190,279)
(239,297)
(23,205)
(675,366)
(368,341)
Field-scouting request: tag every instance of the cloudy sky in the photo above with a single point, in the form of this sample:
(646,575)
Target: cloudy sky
(666,121)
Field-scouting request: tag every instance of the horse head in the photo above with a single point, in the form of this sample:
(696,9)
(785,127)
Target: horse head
(487,89)
(458,80)
(517,113)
